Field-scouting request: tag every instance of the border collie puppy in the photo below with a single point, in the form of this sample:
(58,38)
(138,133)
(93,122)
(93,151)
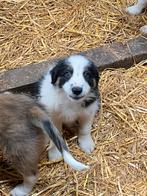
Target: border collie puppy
(25,129)
(69,91)
(137,9)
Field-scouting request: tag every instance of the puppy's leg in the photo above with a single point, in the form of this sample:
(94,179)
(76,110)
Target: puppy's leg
(137,8)
(84,138)
(25,188)
(24,154)
(53,152)
(26,164)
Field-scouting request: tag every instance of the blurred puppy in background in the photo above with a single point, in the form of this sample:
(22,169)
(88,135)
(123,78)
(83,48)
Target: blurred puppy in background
(69,91)
(137,9)
(25,129)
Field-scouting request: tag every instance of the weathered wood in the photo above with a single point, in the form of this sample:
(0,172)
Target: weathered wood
(114,55)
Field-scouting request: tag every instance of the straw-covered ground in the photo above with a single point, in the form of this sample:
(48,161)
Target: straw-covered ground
(118,165)
(34,30)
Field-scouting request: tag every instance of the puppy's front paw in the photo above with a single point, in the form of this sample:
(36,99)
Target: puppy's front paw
(143,29)
(134,10)
(54,154)
(20,190)
(86,143)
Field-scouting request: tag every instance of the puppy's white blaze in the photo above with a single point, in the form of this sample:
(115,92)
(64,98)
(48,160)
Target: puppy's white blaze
(78,60)
(73,163)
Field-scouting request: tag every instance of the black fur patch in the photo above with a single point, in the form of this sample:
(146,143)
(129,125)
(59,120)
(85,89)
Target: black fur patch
(55,137)
(88,101)
(91,75)
(92,98)
(37,87)
(61,72)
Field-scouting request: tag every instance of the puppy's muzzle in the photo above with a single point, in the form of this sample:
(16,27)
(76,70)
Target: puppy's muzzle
(77,90)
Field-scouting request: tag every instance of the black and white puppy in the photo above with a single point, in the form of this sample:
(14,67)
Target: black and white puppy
(70,93)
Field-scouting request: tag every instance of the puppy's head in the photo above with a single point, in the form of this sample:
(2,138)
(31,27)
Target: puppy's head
(76,75)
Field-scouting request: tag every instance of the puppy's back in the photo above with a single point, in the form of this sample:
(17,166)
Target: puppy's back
(13,111)
(15,122)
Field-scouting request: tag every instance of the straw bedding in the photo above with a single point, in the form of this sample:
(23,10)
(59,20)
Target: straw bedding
(35,30)
(119,162)
(31,31)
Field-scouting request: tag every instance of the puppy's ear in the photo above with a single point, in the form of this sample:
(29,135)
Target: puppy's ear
(56,72)
(54,75)
(95,74)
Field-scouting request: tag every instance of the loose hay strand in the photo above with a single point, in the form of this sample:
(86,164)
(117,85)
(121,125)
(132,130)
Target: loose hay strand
(32,31)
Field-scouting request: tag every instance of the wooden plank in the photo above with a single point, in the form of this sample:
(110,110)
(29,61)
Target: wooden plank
(114,55)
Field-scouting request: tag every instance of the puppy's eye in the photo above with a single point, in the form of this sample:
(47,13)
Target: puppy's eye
(87,74)
(67,74)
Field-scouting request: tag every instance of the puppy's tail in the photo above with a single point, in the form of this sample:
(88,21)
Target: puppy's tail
(40,119)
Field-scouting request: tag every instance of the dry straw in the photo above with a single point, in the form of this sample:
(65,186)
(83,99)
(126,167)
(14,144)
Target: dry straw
(118,165)
(34,30)
(31,31)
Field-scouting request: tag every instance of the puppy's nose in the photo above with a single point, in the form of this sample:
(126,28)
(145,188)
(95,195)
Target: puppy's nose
(77,90)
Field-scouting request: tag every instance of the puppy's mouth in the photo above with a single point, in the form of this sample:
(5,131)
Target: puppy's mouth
(76,97)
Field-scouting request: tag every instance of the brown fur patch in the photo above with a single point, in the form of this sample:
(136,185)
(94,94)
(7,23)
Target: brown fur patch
(21,142)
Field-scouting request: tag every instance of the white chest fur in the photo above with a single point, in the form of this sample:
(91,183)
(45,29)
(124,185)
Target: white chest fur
(57,102)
